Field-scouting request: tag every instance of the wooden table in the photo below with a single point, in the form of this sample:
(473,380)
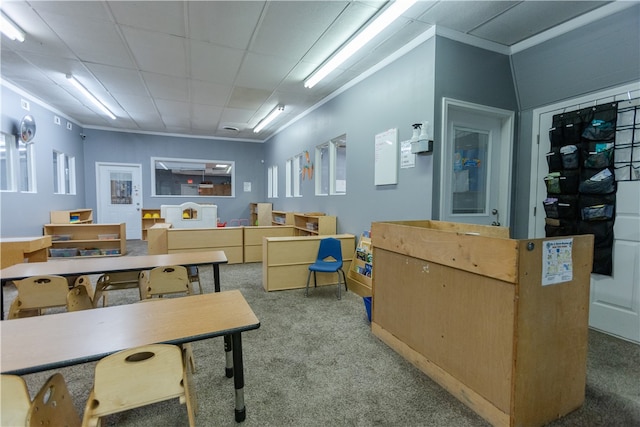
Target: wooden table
(99,265)
(40,343)
(14,250)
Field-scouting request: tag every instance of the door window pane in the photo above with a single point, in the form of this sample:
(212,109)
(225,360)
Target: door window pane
(470,171)
(121,188)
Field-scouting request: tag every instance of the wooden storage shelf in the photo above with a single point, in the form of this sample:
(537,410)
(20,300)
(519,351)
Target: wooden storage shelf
(281,218)
(150,217)
(286,260)
(259,214)
(253,237)
(475,311)
(227,239)
(359,275)
(314,224)
(103,239)
(76,216)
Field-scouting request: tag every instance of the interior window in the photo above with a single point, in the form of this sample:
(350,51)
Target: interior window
(192,178)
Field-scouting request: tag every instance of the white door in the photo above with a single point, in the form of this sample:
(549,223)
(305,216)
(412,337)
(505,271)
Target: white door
(615,300)
(119,196)
(476,163)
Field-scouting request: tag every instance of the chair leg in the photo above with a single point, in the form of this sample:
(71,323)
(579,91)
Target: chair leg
(306,290)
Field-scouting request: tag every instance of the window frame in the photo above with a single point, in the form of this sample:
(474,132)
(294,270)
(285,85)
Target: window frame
(204,163)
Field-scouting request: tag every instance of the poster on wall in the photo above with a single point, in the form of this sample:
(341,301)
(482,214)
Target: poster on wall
(386,157)
(557,262)
(407,158)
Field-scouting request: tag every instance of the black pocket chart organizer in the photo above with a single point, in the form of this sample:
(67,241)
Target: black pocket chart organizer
(581,184)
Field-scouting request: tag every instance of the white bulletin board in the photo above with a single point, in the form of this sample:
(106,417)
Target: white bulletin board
(386,157)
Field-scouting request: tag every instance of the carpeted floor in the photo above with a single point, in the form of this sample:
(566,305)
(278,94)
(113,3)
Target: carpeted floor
(314,362)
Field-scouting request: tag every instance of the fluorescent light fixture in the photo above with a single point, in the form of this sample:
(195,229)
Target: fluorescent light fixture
(90,96)
(10,29)
(272,115)
(396,9)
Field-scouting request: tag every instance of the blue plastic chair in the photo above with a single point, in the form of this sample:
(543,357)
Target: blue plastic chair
(329,260)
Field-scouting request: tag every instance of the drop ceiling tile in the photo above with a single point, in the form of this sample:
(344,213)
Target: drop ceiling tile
(205,117)
(530,18)
(224,23)
(167,87)
(134,104)
(77,10)
(464,16)
(290,29)
(248,98)
(157,16)
(106,43)
(210,93)
(213,63)
(119,80)
(237,115)
(263,71)
(341,30)
(173,108)
(156,52)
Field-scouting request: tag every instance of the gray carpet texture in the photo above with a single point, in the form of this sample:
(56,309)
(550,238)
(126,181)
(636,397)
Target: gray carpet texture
(315,362)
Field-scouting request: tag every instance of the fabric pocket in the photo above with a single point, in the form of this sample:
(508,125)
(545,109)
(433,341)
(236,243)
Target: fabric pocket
(560,228)
(602,182)
(597,212)
(562,206)
(602,232)
(598,155)
(570,156)
(554,160)
(562,182)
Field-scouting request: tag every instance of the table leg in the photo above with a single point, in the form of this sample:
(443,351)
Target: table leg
(228,370)
(216,278)
(238,379)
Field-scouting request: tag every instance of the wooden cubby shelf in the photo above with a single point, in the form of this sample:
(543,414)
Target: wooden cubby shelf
(260,214)
(313,224)
(76,216)
(83,240)
(281,218)
(150,217)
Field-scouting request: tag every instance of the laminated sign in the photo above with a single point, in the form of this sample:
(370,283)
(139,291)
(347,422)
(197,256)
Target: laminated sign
(557,264)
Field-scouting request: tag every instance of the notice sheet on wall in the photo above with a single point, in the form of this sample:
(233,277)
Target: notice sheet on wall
(557,264)
(407,158)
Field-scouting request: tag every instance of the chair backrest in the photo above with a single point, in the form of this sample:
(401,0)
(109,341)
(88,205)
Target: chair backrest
(85,281)
(78,299)
(330,247)
(114,281)
(42,292)
(15,401)
(170,279)
(53,405)
(136,377)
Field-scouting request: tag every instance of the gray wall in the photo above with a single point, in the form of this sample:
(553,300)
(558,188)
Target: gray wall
(23,214)
(121,147)
(600,55)
(395,97)
(467,73)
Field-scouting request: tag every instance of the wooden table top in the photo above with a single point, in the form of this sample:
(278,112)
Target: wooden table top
(52,341)
(97,265)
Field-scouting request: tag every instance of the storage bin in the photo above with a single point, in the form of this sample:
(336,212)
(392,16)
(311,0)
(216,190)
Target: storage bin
(107,236)
(89,252)
(110,251)
(367,306)
(60,237)
(63,252)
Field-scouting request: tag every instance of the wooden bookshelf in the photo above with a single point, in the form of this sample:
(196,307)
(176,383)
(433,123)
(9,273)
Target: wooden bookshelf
(259,213)
(76,216)
(314,224)
(74,240)
(150,217)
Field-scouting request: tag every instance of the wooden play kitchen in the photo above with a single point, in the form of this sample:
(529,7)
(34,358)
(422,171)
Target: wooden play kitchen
(500,323)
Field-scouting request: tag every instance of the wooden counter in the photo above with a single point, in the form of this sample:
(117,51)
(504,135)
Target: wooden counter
(469,308)
(15,250)
(286,260)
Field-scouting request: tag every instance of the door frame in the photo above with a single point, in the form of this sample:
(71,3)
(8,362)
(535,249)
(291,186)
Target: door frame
(507,119)
(138,166)
(539,167)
